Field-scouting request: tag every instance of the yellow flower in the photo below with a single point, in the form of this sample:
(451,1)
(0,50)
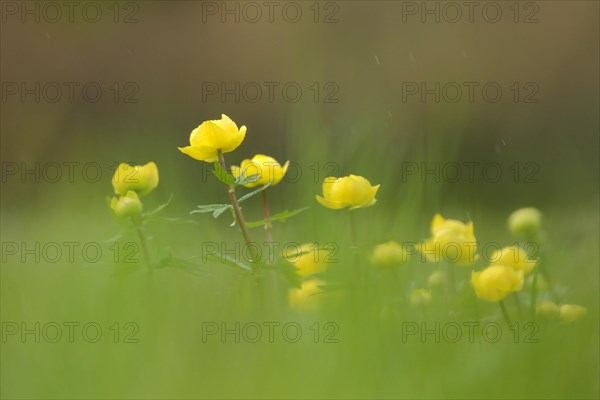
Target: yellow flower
(212,136)
(548,309)
(141,179)
(571,313)
(308,297)
(350,191)
(513,256)
(451,240)
(436,279)
(388,254)
(495,282)
(525,220)
(308,259)
(266,167)
(126,206)
(420,297)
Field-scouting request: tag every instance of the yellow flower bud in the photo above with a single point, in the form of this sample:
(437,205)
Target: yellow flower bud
(451,240)
(141,179)
(211,136)
(126,206)
(388,254)
(548,309)
(308,297)
(308,259)
(436,279)
(350,191)
(495,282)
(420,297)
(515,257)
(525,220)
(571,313)
(267,168)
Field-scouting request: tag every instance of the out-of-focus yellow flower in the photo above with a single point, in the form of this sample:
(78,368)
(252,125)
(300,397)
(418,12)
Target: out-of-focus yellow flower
(548,309)
(525,220)
(436,279)
(571,313)
(350,191)
(126,206)
(420,297)
(513,256)
(451,240)
(495,282)
(388,254)
(212,136)
(141,179)
(266,167)
(308,297)
(308,259)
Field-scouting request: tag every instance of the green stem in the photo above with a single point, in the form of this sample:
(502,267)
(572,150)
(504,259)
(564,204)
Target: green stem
(518,302)
(534,293)
(353,229)
(268,232)
(144,245)
(504,313)
(450,280)
(238,212)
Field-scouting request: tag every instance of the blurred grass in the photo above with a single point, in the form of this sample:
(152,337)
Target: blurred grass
(370,132)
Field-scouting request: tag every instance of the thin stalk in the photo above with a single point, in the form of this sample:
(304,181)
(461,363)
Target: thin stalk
(143,242)
(265,202)
(353,229)
(534,293)
(504,313)
(238,212)
(518,302)
(450,280)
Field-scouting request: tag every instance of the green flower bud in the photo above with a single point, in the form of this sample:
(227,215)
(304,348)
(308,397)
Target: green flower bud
(126,206)
(525,220)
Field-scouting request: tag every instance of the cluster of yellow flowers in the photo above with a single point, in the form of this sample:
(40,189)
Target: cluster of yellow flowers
(131,182)
(451,240)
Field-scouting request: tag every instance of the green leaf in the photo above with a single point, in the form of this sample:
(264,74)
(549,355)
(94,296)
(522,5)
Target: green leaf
(223,259)
(209,208)
(222,175)
(221,210)
(159,208)
(244,180)
(248,195)
(281,217)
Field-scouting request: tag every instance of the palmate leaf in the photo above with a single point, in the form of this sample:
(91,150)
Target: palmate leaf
(281,217)
(244,180)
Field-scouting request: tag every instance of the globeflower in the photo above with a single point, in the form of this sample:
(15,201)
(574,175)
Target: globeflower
(388,254)
(420,297)
(525,220)
(267,168)
(213,136)
(571,313)
(141,179)
(495,282)
(126,206)
(515,257)
(451,240)
(308,259)
(548,309)
(350,191)
(307,297)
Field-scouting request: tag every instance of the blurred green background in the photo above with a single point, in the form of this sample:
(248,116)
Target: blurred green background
(364,55)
